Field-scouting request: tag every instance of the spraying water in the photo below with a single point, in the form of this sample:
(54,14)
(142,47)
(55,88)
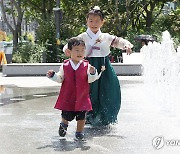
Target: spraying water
(161,72)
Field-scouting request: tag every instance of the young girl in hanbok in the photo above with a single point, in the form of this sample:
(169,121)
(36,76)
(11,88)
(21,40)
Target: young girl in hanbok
(105,93)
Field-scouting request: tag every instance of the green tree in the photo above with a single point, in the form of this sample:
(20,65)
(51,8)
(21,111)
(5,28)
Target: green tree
(170,22)
(42,12)
(146,13)
(14,8)
(46,35)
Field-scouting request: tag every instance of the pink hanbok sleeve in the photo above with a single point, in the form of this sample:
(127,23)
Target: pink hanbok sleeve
(119,42)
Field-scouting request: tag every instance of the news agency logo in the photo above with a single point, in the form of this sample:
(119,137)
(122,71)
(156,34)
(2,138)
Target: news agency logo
(158,142)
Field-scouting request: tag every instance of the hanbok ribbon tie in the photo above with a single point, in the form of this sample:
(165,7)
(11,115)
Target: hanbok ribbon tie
(92,48)
(96,48)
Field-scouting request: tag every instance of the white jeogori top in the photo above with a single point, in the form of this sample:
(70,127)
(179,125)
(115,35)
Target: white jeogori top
(59,76)
(98,45)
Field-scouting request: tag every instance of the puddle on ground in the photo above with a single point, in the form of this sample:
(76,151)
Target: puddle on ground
(12,94)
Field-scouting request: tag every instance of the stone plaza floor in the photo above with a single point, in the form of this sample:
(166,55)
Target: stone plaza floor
(29,123)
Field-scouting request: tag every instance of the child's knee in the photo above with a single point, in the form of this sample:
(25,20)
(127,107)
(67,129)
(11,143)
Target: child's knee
(81,115)
(68,115)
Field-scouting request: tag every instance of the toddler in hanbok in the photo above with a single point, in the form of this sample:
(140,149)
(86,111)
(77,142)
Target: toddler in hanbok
(75,74)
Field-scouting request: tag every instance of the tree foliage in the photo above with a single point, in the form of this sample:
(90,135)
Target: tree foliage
(41,10)
(13,8)
(125,18)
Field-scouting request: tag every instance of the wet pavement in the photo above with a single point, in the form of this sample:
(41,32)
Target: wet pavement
(29,123)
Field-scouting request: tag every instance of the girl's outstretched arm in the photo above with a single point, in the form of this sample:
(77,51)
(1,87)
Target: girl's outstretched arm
(119,42)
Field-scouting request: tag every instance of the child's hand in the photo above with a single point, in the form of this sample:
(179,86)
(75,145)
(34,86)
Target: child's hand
(128,51)
(50,73)
(103,68)
(92,70)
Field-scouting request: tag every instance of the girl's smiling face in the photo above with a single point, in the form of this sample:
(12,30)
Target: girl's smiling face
(94,22)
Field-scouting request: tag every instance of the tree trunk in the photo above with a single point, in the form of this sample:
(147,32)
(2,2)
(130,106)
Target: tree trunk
(15,38)
(149,14)
(44,15)
(128,16)
(149,20)
(17,23)
(119,26)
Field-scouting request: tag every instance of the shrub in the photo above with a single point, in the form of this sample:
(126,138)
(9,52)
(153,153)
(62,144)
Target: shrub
(29,53)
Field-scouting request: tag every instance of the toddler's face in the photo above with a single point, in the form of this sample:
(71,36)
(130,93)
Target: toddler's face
(77,53)
(94,22)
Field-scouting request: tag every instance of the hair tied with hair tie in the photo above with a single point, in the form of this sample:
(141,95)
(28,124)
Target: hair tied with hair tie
(96,8)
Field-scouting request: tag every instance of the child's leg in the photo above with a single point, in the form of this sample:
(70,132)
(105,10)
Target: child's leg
(66,116)
(64,121)
(80,118)
(80,125)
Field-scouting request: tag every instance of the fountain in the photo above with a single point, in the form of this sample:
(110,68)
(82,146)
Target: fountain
(161,72)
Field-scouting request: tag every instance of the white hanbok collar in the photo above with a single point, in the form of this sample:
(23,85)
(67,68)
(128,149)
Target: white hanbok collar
(93,36)
(75,67)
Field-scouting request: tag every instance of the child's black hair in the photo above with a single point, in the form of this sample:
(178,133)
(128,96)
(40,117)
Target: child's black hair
(96,12)
(75,41)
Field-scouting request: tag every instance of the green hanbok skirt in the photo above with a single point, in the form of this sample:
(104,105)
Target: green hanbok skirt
(105,94)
